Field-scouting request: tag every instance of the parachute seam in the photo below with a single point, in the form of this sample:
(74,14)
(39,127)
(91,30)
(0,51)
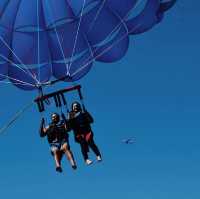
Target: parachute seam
(39,70)
(85,65)
(77,33)
(49,46)
(12,52)
(11,43)
(5,8)
(16,65)
(59,43)
(7,76)
(97,15)
(122,21)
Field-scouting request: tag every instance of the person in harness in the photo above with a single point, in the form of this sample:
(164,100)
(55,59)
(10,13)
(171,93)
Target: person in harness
(80,122)
(58,140)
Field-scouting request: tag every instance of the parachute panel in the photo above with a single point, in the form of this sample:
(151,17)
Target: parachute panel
(41,40)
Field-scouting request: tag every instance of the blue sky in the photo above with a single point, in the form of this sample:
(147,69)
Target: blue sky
(152,94)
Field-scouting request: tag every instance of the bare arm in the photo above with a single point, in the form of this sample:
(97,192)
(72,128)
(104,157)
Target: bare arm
(43,130)
(66,123)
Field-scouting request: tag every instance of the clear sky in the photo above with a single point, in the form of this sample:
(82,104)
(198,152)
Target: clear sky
(152,94)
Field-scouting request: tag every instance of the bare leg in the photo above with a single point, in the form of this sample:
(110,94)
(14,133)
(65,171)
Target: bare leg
(69,155)
(57,157)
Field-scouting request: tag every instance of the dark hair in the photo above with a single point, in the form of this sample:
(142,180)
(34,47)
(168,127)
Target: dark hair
(56,114)
(77,103)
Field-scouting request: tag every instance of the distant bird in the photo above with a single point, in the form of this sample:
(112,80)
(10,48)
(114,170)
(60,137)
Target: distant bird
(128,141)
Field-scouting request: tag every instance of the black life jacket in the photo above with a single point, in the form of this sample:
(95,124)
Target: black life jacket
(80,124)
(57,133)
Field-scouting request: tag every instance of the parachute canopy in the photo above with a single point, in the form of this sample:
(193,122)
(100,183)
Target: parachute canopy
(51,39)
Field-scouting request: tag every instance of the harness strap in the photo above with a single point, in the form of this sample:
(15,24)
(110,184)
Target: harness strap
(40,105)
(55,100)
(59,101)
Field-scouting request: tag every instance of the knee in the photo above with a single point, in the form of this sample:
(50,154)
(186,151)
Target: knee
(55,152)
(65,148)
(91,142)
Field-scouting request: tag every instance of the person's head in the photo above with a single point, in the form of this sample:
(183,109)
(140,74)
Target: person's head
(55,118)
(76,107)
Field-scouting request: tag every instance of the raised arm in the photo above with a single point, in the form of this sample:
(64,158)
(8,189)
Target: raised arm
(43,130)
(66,123)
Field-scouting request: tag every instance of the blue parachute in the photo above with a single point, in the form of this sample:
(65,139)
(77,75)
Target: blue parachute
(42,40)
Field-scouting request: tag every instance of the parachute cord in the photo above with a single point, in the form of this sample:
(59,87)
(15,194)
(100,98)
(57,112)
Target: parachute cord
(26,70)
(104,51)
(17,80)
(76,38)
(7,82)
(80,95)
(83,104)
(89,60)
(122,21)
(64,103)
(61,111)
(38,41)
(97,15)
(57,36)
(67,109)
(15,117)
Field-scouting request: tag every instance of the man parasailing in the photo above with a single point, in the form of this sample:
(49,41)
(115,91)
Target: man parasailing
(58,140)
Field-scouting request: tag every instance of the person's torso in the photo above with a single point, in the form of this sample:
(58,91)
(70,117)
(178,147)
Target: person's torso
(56,133)
(80,124)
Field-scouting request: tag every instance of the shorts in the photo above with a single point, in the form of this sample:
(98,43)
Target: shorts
(58,146)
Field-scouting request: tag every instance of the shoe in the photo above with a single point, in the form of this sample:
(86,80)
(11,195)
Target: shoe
(74,167)
(59,169)
(99,159)
(88,162)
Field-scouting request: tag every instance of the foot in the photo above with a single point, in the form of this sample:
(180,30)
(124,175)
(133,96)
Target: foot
(74,167)
(59,169)
(99,159)
(88,162)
